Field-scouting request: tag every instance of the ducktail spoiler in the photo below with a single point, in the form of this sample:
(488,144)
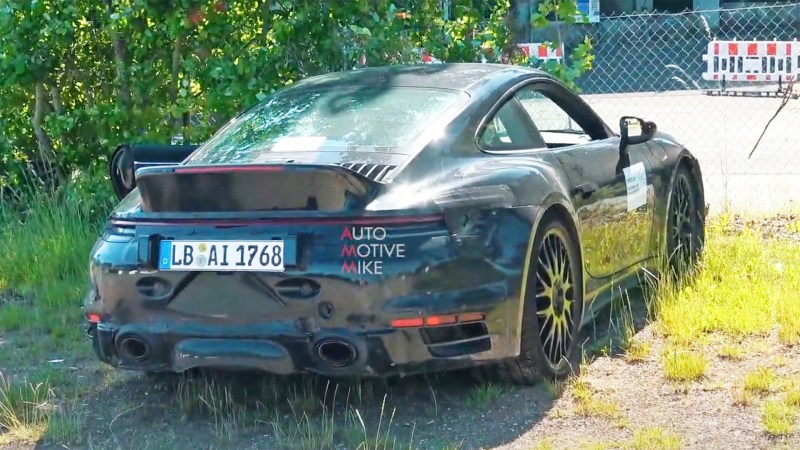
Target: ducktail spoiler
(240,188)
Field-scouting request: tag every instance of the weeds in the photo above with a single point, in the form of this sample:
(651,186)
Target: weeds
(792,393)
(484,394)
(731,352)
(760,381)
(637,351)
(50,240)
(655,439)
(684,365)
(778,417)
(587,404)
(24,409)
(720,297)
(743,397)
(65,425)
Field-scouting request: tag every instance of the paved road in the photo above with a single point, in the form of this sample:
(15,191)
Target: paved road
(722,131)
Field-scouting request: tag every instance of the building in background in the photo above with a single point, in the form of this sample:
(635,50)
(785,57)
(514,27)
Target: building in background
(596,8)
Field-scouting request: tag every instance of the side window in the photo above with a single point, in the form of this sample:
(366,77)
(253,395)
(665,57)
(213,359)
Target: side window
(509,129)
(555,125)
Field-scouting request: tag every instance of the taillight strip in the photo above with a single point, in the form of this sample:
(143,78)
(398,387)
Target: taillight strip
(390,220)
(224,169)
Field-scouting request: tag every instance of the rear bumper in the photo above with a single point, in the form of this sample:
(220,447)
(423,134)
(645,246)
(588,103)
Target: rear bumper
(331,352)
(375,320)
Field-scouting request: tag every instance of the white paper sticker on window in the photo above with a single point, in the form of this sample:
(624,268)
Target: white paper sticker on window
(636,182)
(299,144)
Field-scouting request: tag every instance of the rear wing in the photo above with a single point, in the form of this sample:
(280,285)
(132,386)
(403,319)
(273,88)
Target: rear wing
(128,158)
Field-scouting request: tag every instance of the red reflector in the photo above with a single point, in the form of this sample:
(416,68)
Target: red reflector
(405,323)
(433,321)
(471,317)
(93,318)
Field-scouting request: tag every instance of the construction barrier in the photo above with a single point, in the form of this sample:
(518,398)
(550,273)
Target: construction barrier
(543,52)
(752,60)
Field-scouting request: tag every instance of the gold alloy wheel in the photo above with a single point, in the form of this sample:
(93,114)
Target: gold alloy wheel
(555,296)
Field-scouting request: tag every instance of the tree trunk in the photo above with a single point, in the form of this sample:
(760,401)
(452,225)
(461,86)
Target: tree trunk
(121,57)
(174,80)
(46,153)
(55,92)
(121,60)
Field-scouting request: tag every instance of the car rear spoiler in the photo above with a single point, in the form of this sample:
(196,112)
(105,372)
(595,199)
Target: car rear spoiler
(254,187)
(128,158)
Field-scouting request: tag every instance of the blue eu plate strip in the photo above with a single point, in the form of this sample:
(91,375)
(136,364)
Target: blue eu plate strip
(165,255)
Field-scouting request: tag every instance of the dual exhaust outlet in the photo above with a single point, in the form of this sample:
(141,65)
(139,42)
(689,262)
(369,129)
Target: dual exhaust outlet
(335,352)
(134,348)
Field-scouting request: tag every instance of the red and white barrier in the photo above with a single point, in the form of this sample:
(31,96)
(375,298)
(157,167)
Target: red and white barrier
(543,52)
(752,60)
(428,59)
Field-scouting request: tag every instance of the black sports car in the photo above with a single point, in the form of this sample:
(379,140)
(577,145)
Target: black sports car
(389,221)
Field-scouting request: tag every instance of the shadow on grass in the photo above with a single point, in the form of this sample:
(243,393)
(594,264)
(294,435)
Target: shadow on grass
(211,409)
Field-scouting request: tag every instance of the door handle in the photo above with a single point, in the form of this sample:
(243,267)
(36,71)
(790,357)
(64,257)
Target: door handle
(586,189)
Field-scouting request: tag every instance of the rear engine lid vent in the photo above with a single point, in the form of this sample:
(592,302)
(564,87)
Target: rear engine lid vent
(375,172)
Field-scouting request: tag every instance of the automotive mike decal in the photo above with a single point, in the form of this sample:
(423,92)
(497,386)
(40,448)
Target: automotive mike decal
(364,250)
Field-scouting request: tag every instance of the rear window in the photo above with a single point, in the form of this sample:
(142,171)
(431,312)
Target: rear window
(334,120)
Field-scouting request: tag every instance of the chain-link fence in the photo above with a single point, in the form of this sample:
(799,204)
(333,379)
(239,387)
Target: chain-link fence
(651,65)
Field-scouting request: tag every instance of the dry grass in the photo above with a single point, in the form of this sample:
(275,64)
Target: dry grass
(637,350)
(25,409)
(778,417)
(684,365)
(589,404)
(731,351)
(655,439)
(759,381)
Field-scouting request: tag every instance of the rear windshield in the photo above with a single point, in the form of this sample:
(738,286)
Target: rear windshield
(335,120)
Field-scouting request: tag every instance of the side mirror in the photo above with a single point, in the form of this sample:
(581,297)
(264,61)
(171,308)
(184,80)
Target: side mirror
(634,130)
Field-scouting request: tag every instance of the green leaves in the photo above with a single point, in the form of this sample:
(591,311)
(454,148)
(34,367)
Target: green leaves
(559,13)
(136,69)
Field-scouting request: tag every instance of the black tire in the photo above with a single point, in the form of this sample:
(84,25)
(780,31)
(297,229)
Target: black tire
(552,296)
(685,227)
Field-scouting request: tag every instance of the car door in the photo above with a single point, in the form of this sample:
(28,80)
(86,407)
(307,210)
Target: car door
(613,195)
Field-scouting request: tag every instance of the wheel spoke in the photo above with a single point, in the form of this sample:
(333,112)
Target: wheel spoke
(547,312)
(545,276)
(550,332)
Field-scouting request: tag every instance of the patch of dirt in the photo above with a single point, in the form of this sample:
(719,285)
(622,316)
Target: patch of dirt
(702,414)
(123,410)
(781,226)
(127,410)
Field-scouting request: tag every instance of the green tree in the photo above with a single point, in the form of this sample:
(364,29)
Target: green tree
(79,77)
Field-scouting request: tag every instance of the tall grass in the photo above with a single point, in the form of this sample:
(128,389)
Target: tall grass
(24,409)
(46,239)
(746,285)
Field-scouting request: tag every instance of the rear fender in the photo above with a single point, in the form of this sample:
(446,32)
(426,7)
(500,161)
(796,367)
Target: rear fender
(557,203)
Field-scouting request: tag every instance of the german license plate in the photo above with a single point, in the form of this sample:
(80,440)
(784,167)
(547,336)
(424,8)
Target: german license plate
(261,256)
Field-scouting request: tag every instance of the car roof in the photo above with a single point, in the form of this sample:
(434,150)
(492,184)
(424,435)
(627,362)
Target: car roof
(455,76)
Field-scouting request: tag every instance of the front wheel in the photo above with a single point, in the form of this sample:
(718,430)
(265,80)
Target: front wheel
(552,308)
(685,225)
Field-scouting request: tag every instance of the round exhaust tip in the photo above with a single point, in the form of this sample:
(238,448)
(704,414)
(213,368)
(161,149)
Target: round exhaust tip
(336,352)
(133,348)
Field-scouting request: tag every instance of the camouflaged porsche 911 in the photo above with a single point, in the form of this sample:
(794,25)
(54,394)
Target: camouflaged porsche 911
(389,221)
